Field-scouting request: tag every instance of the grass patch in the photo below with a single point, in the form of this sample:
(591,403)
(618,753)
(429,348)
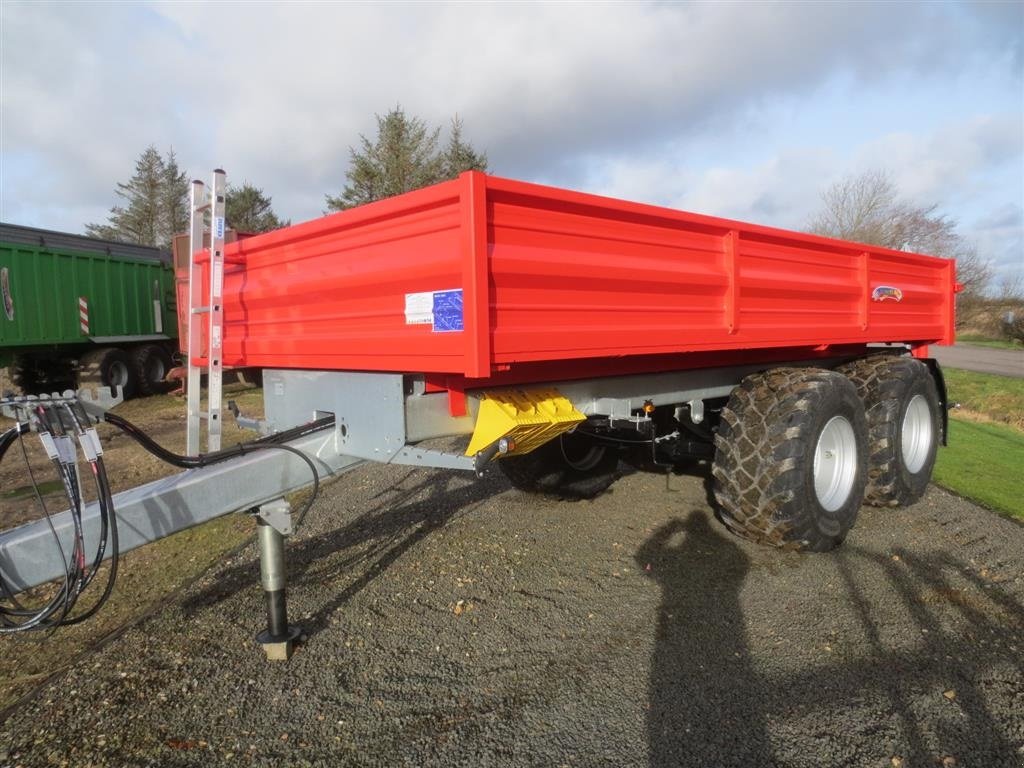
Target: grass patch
(998,398)
(979,340)
(983,462)
(24,491)
(146,579)
(148,576)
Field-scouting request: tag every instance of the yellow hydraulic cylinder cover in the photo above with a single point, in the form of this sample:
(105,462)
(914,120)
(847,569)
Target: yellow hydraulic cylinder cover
(527,418)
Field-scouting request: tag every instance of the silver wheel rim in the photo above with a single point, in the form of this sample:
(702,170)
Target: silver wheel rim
(916,439)
(156,370)
(835,463)
(118,373)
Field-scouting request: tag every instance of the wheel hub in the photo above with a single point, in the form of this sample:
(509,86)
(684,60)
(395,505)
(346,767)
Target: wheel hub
(835,463)
(581,455)
(916,433)
(155,370)
(118,374)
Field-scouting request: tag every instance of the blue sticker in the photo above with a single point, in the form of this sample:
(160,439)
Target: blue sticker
(448,310)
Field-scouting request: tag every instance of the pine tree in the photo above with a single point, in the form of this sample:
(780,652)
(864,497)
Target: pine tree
(403,157)
(248,209)
(459,156)
(174,201)
(156,203)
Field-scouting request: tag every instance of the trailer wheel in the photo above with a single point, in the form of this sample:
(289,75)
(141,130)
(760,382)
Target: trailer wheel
(42,374)
(25,374)
(108,367)
(790,458)
(570,467)
(904,426)
(152,363)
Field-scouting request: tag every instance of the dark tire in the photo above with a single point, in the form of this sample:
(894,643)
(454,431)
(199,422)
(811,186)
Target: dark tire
(904,426)
(42,374)
(570,467)
(57,374)
(775,431)
(107,367)
(25,375)
(152,364)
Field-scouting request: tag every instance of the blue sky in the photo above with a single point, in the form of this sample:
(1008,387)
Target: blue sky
(746,110)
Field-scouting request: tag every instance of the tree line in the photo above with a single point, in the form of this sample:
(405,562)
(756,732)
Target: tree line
(407,154)
(156,199)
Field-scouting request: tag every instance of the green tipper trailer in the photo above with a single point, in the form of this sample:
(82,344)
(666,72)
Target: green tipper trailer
(80,311)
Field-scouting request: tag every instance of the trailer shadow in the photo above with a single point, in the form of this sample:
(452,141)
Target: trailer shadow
(715,701)
(404,515)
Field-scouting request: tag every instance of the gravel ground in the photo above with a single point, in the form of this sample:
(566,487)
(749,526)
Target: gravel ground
(461,623)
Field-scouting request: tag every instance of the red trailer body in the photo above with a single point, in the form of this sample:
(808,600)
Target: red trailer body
(484,278)
(632,332)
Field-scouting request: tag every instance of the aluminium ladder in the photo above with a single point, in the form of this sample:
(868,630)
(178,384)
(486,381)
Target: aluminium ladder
(201,202)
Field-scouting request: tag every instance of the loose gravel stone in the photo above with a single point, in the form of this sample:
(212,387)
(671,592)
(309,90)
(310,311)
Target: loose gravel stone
(452,622)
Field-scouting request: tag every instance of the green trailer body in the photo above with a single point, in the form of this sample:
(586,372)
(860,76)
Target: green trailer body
(66,298)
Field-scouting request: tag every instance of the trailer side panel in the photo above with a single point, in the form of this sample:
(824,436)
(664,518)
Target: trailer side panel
(475,276)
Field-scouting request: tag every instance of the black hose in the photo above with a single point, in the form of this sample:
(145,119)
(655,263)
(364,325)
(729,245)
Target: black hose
(108,519)
(268,443)
(9,436)
(206,459)
(78,572)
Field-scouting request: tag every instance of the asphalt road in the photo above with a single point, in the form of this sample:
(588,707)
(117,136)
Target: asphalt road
(461,623)
(1005,362)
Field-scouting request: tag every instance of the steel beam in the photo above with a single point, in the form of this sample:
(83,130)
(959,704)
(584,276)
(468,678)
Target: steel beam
(29,555)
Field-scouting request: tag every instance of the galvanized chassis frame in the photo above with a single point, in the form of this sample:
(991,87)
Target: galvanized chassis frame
(379,417)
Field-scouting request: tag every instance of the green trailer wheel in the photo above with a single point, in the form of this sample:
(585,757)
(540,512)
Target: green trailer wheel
(108,367)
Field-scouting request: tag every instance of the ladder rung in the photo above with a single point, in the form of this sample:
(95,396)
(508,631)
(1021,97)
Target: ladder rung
(206,415)
(203,207)
(200,310)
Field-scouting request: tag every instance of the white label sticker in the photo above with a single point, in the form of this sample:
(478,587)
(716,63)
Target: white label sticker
(218,279)
(419,308)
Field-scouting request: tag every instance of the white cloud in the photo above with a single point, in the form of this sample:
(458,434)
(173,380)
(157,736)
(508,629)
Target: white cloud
(602,96)
(947,167)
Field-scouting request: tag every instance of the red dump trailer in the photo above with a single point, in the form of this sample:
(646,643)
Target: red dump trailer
(564,334)
(483,284)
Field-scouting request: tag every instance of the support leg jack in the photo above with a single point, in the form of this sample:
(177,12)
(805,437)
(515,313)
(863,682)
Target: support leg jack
(279,637)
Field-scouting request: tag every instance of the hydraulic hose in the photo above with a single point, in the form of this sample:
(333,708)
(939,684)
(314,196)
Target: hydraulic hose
(275,441)
(78,571)
(62,421)
(206,459)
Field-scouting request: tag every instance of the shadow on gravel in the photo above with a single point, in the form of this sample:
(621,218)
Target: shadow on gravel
(959,660)
(699,701)
(930,680)
(363,548)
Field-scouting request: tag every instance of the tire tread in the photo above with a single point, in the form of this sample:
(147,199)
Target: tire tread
(882,382)
(761,449)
